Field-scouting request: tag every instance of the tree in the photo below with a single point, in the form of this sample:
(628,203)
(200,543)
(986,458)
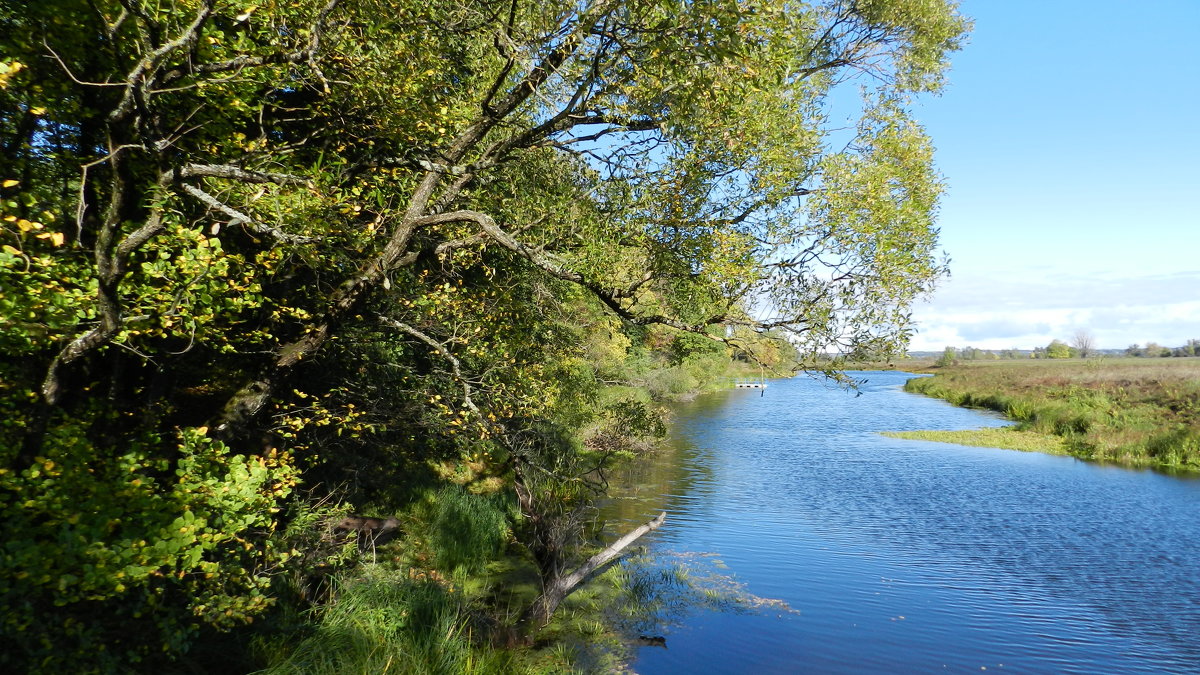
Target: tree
(1083,342)
(1155,350)
(949,357)
(1057,349)
(972,353)
(227,226)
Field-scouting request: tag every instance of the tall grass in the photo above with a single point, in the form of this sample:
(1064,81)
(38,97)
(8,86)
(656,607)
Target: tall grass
(1130,411)
(386,623)
(468,530)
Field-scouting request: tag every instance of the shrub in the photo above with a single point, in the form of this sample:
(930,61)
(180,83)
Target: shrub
(116,564)
(669,382)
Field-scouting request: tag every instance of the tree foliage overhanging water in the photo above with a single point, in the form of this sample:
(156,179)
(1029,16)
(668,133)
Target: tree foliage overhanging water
(257,259)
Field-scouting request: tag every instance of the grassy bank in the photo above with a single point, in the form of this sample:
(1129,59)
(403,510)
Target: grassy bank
(1138,412)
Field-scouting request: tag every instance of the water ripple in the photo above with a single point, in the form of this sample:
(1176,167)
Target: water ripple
(906,556)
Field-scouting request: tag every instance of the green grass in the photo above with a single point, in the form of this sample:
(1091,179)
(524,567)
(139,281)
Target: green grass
(384,622)
(1137,412)
(1008,438)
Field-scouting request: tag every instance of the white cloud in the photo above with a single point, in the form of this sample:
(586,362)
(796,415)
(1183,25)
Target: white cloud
(1029,309)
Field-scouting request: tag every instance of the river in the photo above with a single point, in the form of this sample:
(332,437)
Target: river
(896,556)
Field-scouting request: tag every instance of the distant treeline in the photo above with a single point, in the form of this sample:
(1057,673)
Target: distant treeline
(1057,349)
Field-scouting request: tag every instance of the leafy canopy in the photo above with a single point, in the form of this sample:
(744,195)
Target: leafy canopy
(245,244)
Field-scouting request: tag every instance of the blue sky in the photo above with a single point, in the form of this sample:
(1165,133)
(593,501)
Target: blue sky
(1069,139)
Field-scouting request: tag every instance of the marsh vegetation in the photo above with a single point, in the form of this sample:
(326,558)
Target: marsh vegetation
(1138,412)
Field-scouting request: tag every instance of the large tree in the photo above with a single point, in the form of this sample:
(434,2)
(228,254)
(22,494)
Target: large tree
(226,223)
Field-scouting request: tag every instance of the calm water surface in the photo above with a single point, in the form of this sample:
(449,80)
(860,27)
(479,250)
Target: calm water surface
(907,556)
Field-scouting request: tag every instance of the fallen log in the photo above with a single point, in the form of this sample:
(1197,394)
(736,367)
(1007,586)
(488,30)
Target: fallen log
(556,590)
(370,532)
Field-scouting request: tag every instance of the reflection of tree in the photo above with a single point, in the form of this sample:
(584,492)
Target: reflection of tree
(676,473)
(662,588)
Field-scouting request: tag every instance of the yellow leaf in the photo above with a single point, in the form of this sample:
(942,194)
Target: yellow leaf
(10,183)
(37,111)
(57,238)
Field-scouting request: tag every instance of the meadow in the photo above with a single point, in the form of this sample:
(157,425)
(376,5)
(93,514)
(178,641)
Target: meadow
(1131,411)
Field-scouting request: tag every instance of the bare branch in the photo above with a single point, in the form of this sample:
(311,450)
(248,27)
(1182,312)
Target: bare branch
(239,218)
(67,69)
(455,364)
(242,61)
(139,74)
(244,175)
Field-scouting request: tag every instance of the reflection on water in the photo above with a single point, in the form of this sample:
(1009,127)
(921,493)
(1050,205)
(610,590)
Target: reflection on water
(910,556)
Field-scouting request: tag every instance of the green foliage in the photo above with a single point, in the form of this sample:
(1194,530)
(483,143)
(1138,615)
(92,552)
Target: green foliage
(1057,349)
(387,623)
(949,357)
(246,245)
(113,562)
(687,346)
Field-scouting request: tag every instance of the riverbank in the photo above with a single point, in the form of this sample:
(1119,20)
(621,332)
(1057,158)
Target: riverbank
(462,562)
(1135,412)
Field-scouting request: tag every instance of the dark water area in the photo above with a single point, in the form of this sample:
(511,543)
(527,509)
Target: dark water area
(899,556)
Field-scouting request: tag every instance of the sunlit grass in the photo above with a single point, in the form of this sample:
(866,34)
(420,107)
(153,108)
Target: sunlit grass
(1008,438)
(1143,412)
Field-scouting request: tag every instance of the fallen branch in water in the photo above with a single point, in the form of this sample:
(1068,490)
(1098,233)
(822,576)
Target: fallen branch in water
(558,589)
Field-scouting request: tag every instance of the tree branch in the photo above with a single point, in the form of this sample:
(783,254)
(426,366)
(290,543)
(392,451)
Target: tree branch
(238,218)
(316,35)
(559,587)
(455,364)
(147,65)
(244,175)
(609,296)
